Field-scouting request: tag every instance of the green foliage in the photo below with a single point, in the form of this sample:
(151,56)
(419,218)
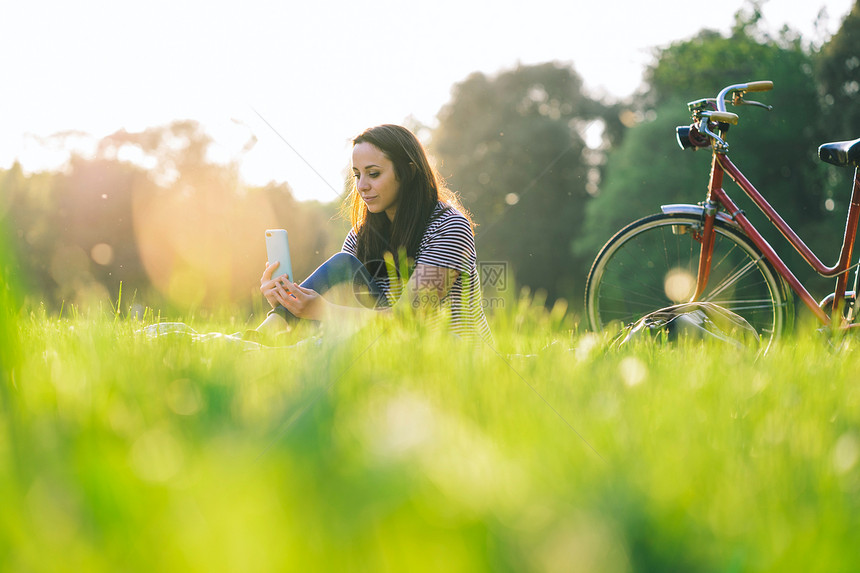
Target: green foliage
(393,450)
(776,150)
(837,68)
(708,61)
(513,147)
(10,303)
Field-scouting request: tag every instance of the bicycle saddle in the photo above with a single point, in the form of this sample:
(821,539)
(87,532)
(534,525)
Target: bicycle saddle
(841,153)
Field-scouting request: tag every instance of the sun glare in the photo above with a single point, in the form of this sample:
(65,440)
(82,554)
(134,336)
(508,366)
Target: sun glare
(679,285)
(102,254)
(199,248)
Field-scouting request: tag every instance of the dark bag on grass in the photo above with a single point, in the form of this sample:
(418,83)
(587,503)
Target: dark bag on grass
(696,320)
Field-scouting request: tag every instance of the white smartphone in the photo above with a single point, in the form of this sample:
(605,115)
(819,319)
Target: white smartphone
(278,249)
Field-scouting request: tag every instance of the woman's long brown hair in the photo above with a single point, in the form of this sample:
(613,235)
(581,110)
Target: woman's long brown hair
(419,193)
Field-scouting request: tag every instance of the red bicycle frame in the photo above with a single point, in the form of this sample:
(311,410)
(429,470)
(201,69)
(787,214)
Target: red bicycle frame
(717,196)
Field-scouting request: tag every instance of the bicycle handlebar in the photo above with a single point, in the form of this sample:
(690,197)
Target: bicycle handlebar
(705,111)
(759,86)
(723,116)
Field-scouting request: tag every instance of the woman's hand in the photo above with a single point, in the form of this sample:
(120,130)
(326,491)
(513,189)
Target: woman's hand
(268,285)
(300,301)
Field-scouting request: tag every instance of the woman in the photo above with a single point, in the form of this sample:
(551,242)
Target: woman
(396,205)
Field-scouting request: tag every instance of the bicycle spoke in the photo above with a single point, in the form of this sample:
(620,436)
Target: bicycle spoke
(732,279)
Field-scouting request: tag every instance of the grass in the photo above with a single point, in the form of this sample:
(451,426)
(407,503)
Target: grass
(396,450)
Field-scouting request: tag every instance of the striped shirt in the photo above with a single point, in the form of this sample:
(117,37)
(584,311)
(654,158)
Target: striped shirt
(447,243)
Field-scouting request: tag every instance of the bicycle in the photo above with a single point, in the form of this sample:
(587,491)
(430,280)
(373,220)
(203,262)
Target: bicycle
(712,252)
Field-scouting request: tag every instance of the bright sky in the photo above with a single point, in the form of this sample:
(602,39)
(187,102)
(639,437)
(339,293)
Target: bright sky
(318,71)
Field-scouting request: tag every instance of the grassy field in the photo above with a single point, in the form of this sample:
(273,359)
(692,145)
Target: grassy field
(395,450)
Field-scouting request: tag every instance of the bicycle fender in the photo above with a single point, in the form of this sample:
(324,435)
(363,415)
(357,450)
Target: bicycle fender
(685,209)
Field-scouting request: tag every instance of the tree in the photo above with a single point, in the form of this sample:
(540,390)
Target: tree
(837,68)
(514,147)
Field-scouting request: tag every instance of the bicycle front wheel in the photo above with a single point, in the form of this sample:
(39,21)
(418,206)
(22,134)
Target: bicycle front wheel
(653,263)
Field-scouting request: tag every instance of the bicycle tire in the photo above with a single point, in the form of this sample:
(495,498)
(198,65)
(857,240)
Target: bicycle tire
(652,263)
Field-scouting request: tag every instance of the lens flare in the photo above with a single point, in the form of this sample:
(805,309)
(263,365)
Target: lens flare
(679,285)
(202,247)
(102,254)
(633,371)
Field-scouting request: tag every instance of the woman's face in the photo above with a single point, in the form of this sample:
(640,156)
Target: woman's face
(375,179)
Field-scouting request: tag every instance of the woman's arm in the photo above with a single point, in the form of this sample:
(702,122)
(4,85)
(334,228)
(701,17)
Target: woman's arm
(445,257)
(424,291)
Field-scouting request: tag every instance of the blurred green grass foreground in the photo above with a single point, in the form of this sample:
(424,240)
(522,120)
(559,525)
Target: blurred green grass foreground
(393,450)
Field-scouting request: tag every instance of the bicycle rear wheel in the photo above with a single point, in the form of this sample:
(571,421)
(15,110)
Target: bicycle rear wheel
(653,263)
